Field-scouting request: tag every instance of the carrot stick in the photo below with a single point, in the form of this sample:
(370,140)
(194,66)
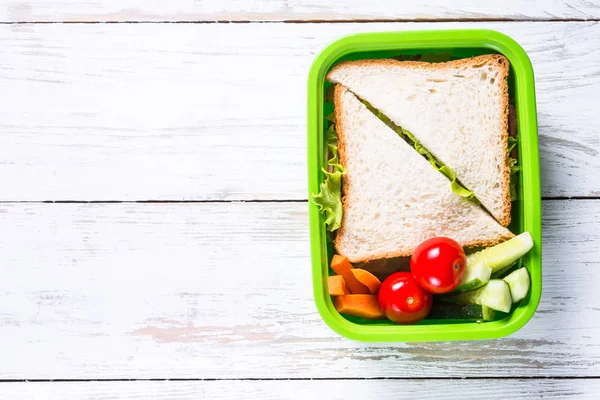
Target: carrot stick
(337,285)
(367,279)
(342,267)
(358,305)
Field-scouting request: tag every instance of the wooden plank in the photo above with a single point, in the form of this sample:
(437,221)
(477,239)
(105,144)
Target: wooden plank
(307,389)
(224,291)
(217,112)
(292,10)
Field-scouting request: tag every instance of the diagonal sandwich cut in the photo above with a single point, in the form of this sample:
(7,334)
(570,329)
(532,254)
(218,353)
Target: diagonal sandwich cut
(392,198)
(456,186)
(453,109)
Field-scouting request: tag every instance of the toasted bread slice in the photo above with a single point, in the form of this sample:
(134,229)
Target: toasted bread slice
(393,199)
(458,110)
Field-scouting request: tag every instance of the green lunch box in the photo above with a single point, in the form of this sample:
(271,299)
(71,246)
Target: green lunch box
(526,209)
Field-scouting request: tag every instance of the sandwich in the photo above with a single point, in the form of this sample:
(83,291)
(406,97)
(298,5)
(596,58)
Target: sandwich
(418,150)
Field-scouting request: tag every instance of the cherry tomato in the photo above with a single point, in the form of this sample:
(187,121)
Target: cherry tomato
(402,300)
(438,264)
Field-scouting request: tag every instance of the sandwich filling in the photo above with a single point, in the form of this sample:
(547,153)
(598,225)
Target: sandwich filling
(329,198)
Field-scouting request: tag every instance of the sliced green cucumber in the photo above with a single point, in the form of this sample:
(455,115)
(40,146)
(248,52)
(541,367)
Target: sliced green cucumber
(489,314)
(504,254)
(493,262)
(476,275)
(475,312)
(519,283)
(501,273)
(495,295)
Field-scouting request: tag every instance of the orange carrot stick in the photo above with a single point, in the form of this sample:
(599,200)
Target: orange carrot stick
(337,285)
(358,305)
(367,279)
(342,267)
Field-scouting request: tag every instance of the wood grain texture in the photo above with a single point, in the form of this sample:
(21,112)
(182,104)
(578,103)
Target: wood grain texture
(302,390)
(217,112)
(292,10)
(224,291)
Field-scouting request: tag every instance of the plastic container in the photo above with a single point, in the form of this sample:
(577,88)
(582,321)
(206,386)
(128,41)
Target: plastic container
(526,211)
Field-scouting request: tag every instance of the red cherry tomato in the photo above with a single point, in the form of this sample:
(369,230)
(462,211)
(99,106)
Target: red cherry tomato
(438,264)
(402,300)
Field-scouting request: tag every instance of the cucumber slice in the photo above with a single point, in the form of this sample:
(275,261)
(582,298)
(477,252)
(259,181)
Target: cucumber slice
(495,295)
(493,262)
(504,254)
(519,283)
(489,314)
(476,275)
(475,312)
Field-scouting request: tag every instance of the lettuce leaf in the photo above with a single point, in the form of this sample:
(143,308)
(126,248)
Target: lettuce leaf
(455,185)
(329,198)
(514,168)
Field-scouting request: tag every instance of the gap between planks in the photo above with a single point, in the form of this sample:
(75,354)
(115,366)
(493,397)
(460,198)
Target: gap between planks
(382,378)
(306,21)
(150,201)
(219,201)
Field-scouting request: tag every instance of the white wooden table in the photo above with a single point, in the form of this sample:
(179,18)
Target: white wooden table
(153,206)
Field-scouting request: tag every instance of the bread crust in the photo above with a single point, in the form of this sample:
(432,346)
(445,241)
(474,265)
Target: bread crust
(468,245)
(346,184)
(340,126)
(498,60)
